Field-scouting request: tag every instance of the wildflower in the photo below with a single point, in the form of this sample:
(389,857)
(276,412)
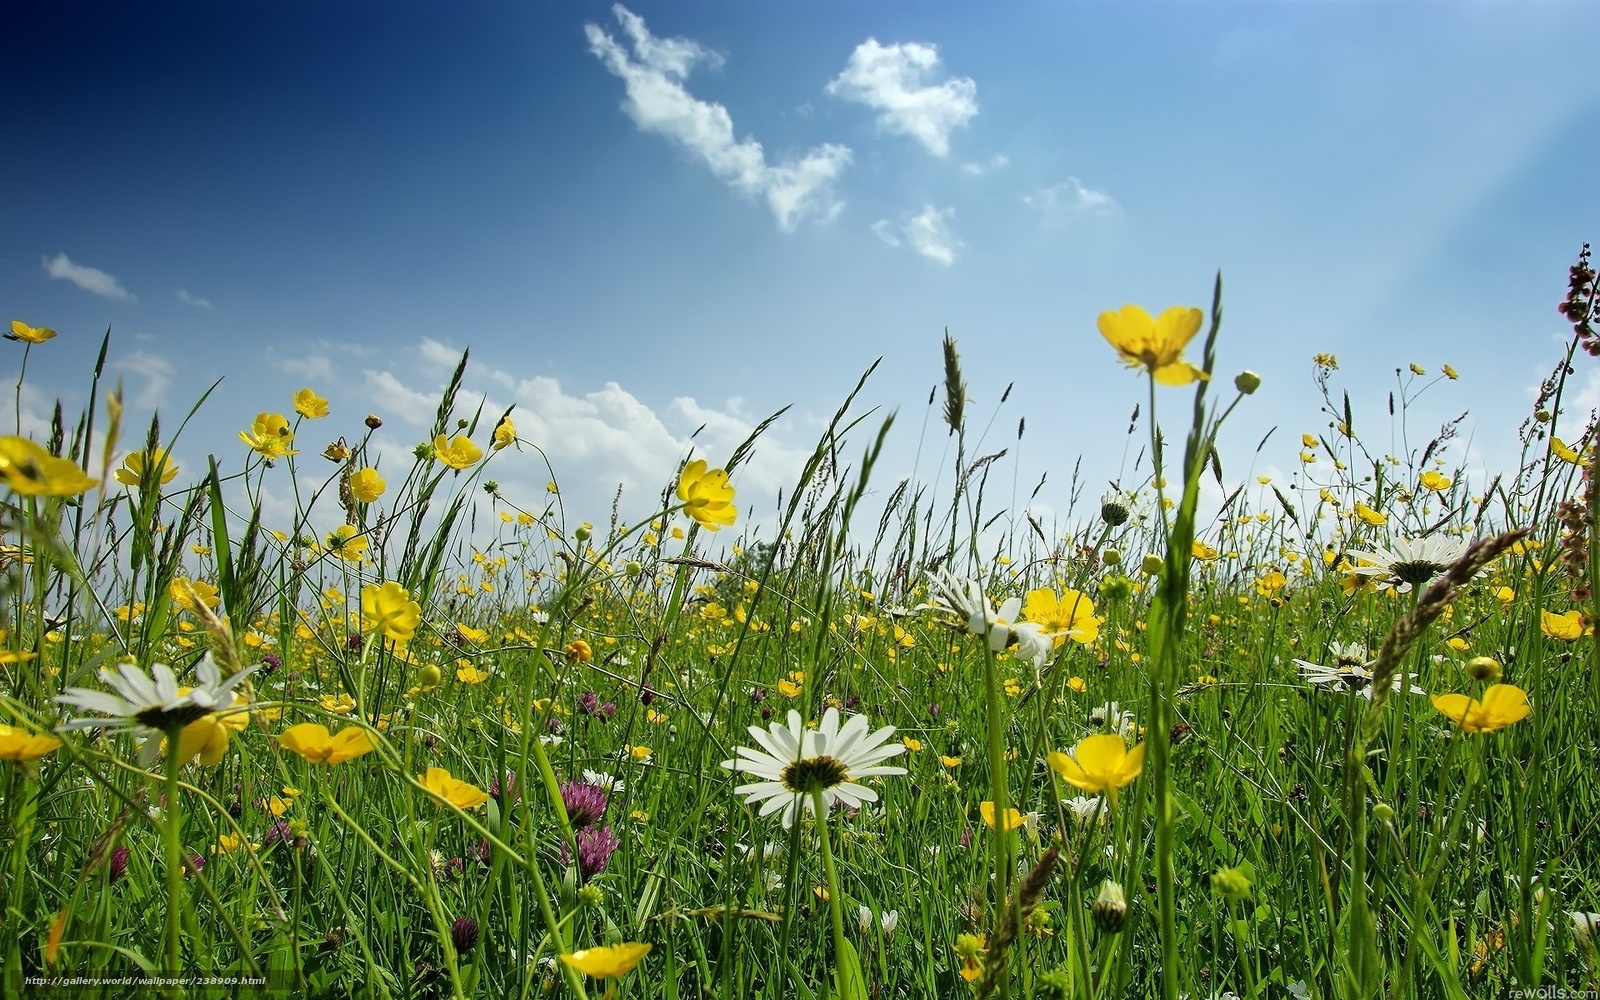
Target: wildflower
(1012,820)
(585,803)
(964,598)
(1113,716)
(1099,763)
(579,650)
(1375,518)
(347,543)
(459,453)
(1200,550)
(446,789)
(1564,452)
(25,334)
(608,962)
(1449,372)
(707,496)
(388,607)
(1114,508)
(151,703)
(1085,808)
(312,741)
(969,948)
(797,763)
(157,462)
(310,405)
(1247,382)
(888,920)
(1585,926)
(1154,344)
(189,594)
(1567,627)
(337,451)
(366,485)
(1069,616)
(1483,669)
(28,469)
(18,745)
(1411,562)
(117,866)
(1325,361)
(1435,481)
(596,844)
(270,436)
(1502,705)
(1350,671)
(505,434)
(470,674)
(464,934)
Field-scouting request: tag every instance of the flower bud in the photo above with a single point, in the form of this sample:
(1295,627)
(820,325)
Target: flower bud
(582,533)
(1110,908)
(1484,668)
(1232,884)
(1247,382)
(429,676)
(374,421)
(1383,811)
(1152,564)
(1542,415)
(1111,557)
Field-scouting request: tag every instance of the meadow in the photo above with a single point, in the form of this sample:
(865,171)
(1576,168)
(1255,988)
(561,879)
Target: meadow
(1334,738)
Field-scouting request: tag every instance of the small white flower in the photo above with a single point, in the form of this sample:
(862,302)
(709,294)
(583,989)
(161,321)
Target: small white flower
(890,919)
(1111,716)
(1584,925)
(1349,671)
(797,762)
(603,781)
(1411,562)
(864,919)
(1084,809)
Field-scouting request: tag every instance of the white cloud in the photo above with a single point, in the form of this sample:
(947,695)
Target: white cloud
(653,74)
(998,161)
(157,372)
(927,232)
(1070,198)
(190,300)
(890,79)
(390,394)
(89,279)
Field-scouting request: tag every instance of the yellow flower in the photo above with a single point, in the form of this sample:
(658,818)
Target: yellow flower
(1100,763)
(707,496)
(1502,705)
(1449,373)
(639,753)
(33,472)
(206,737)
(347,544)
(1069,616)
(505,434)
(26,334)
(1154,344)
(341,704)
(270,436)
(1013,819)
(1198,549)
(608,962)
(311,741)
(912,743)
(18,745)
(1505,595)
(459,454)
(789,689)
(134,466)
(1077,684)
(444,788)
(969,948)
(1563,452)
(310,405)
(1567,627)
(1325,360)
(1369,516)
(185,592)
(1435,481)
(1417,369)
(470,674)
(580,651)
(366,485)
(227,843)
(1270,583)
(948,761)
(389,607)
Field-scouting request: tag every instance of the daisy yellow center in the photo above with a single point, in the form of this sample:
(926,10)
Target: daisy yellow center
(814,774)
(157,717)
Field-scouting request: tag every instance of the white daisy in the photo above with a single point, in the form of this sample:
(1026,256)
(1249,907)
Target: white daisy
(151,702)
(798,762)
(1411,562)
(1349,671)
(603,781)
(964,598)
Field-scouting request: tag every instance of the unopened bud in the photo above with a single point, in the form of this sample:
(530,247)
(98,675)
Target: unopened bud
(1111,557)
(1483,668)
(1152,564)
(429,676)
(1247,382)
(1110,908)
(1232,884)
(1542,415)
(1383,811)
(374,421)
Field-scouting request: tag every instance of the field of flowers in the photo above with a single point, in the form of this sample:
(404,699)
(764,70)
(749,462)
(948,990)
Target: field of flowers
(1335,738)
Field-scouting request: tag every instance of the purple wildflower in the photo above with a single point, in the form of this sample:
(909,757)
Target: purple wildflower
(596,844)
(118,866)
(464,934)
(586,803)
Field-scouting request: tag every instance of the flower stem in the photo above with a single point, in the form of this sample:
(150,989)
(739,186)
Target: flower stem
(999,794)
(835,904)
(172,831)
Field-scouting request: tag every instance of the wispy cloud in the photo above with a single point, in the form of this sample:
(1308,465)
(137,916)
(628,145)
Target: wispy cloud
(1070,198)
(657,101)
(90,279)
(928,233)
(998,161)
(190,300)
(891,80)
(157,372)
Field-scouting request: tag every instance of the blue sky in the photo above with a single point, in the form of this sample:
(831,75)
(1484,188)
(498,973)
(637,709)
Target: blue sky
(346,195)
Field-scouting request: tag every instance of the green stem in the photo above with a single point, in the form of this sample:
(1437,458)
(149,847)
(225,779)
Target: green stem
(835,905)
(172,830)
(999,794)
